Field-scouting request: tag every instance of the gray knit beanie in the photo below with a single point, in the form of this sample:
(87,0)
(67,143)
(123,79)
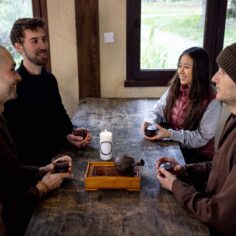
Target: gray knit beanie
(227,61)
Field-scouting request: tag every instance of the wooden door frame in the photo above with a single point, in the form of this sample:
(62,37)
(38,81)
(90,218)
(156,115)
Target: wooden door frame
(40,10)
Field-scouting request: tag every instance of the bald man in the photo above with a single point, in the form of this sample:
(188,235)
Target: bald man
(8,79)
(20,187)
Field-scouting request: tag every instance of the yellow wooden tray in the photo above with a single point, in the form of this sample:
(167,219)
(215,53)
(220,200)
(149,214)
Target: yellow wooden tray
(103,175)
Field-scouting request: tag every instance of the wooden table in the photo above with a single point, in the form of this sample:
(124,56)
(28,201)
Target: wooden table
(71,210)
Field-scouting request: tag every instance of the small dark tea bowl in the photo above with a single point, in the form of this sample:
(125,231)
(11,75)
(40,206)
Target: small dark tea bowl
(61,166)
(82,133)
(151,130)
(167,166)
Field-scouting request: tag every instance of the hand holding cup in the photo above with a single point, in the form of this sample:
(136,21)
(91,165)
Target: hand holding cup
(62,164)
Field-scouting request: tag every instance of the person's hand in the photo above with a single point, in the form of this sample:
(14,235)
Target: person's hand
(161,134)
(50,182)
(177,168)
(77,140)
(50,167)
(63,158)
(45,169)
(165,178)
(144,126)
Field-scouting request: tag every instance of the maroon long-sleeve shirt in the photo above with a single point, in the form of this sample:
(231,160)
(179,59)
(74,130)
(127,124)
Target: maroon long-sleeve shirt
(18,196)
(216,205)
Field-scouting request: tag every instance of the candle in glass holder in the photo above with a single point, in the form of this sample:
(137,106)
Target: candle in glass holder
(105,145)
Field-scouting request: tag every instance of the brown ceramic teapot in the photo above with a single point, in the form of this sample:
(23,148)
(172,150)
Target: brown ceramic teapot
(125,165)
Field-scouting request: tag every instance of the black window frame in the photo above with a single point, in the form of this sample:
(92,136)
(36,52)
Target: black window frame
(213,40)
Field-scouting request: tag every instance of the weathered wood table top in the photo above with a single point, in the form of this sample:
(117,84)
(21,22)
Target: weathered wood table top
(71,210)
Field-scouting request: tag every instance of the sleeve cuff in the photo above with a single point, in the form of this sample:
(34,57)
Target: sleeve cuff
(171,134)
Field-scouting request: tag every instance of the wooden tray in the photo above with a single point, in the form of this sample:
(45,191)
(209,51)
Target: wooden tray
(103,175)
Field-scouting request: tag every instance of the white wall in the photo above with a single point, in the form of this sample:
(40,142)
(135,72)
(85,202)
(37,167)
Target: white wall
(62,33)
(112,18)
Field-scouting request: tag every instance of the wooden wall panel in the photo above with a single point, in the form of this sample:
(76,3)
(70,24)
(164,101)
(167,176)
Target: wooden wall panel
(87,30)
(40,10)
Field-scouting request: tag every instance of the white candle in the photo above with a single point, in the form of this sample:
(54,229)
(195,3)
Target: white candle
(105,145)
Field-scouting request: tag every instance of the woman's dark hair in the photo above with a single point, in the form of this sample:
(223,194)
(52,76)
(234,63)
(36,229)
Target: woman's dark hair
(201,89)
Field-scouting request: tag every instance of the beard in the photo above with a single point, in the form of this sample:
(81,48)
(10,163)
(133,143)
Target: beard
(40,58)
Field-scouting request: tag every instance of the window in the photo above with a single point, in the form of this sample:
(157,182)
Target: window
(11,10)
(230,24)
(167,29)
(159,30)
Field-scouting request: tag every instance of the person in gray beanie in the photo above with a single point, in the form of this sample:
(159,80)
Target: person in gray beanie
(208,190)
(227,61)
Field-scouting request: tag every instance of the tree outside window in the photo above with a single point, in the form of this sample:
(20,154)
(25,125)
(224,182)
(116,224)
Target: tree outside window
(230,25)
(158,31)
(11,10)
(167,29)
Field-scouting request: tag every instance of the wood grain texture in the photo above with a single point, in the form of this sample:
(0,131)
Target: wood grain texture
(87,30)
(71,210)
(107,177)
(40,10)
